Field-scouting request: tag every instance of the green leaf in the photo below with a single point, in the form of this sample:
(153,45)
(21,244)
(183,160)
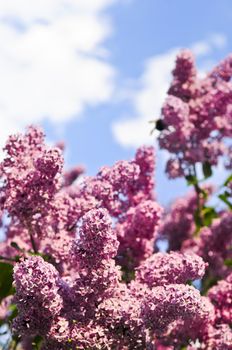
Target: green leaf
(208,214)
(191,180)
(228,262)
(13,312)
(224,197)
(197,220)
(37,342)
(228,180)
(6,279)
(207,170)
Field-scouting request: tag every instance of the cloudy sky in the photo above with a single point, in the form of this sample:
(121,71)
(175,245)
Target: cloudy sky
(94,72)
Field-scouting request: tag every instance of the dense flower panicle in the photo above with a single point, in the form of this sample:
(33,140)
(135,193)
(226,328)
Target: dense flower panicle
(48,164)
(37,294)
(178,223)
(117,188)
(121,176)
(64,335)
(31,174)
(174,169)
(94,251)
(176,113)
(184,76)
(59,225)
(223,70)
(214,245)
(219,338)
(137,232)
(165,304)
(144,187)
(145,159)
(17,145)
(111,186)
(58,211)
(164,268)
(192,102)
(92,286)
(102,192)
(97,241)
(221,297)
(87,276)
(120,314)
(125,184)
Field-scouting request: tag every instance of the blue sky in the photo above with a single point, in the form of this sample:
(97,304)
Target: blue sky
(93,72)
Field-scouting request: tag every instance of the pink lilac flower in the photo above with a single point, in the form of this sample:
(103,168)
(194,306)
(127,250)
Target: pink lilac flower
(219,338)
(97,240)
(163,268)
(92,234)
(192,102)
(31,174)
(178,222)
(70,335)
(120,314)
(37,295)
(214,245)
(93,252)
(221,297)
(165,304)
(137,232)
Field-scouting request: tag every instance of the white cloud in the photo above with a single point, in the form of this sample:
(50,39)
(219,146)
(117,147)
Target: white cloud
(53,62)
(147,100)
(206,47)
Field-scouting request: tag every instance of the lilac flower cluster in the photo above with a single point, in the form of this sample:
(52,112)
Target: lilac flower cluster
(162,268)
(197,116)
(30,172)
(92,307)
(87,272)
(37,296)
(178,224)
(214,244)
(221,296)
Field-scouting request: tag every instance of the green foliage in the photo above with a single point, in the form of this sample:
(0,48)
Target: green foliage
(228,180)
(225,198)
(208,214)
(204,217)
(197,220)
(207,170)
(191,180)
(6,280)
(228,262)
(37,342)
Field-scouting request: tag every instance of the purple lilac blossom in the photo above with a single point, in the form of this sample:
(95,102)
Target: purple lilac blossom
(192,102)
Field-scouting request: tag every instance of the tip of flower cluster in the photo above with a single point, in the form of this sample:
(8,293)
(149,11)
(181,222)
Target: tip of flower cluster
(33,271)
(96,220)
(165,268)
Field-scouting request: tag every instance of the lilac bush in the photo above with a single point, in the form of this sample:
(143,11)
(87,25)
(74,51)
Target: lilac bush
(80,263)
